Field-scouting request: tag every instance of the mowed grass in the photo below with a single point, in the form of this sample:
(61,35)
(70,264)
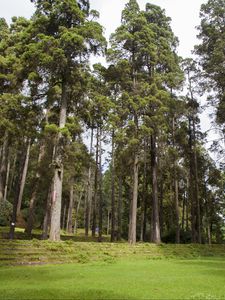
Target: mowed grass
(122,279)
(81,268)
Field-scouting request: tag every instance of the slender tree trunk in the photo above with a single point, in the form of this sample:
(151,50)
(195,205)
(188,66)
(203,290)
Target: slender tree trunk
(96,186)
(33,199)
(108,222)
(161,219)
(69,226)
(183,211)
(47,217)
(16,196)
(197,187)
(191,184)
(144,198)
(12,174)
(13,219)
(132,236)
(89,194)
(23,179)
(58,172)
(7,180)
(155,206)
(3,166)
(176,191)
(64,217)
(113,218)
(100,188)
(177,210)
(119,210)
(77,211)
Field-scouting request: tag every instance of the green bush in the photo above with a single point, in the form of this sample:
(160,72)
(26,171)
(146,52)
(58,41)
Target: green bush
(5,212)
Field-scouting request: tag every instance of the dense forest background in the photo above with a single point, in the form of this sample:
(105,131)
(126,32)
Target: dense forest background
(58,114)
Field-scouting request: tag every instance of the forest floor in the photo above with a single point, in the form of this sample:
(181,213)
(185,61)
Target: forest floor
(83,269)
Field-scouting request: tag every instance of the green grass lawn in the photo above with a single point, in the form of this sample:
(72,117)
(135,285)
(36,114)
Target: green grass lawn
(81,268)
(121,279)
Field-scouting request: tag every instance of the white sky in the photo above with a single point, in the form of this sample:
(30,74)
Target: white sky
(184,15)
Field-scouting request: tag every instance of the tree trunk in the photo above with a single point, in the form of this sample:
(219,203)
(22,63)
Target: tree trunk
(12,174)
(23,179)
(113,218)
(7,180)
(144,198)
(132,231)
(96,186)
(58,172)
(176,192)
(100,189)
(3,166)
(119,210)
(89,194)
(64,218)
(177,210)
(69,227)
(47,217)
(155,206)
(16,195)
(108,222)
(33,199)
(191,184)
(77,212)
(198,217)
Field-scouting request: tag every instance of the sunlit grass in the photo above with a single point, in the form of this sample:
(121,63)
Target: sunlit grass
(141,279)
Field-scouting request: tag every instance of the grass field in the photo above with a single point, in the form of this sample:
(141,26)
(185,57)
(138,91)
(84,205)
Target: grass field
(123,279)
(81,268)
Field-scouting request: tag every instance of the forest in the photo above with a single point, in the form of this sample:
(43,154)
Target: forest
(116,150)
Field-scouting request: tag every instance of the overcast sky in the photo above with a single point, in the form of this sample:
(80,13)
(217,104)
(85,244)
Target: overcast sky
(184,14)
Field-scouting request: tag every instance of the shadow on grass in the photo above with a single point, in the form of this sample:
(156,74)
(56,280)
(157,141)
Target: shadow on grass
(21,235)
(96,294)
(213,266)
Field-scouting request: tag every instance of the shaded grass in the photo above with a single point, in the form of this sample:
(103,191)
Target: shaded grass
(141,279)
(37,251)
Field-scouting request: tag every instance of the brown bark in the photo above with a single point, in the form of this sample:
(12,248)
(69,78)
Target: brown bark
(113,217)
(23,179)
(33,199)
(3,166)
(16,195)
(69,227)
(191,185)
(89,188)
(94,213)
(132,231)
(7,180)
(144,197)
(100,189)
(77,211)
(64,217)
(198,217)
(47,217)
(155,206)
(12,174)
(119,209)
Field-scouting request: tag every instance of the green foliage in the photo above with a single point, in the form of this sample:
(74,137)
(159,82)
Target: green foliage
(5,212)
(211,51)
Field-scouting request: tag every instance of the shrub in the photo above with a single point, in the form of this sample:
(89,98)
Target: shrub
(5,212)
